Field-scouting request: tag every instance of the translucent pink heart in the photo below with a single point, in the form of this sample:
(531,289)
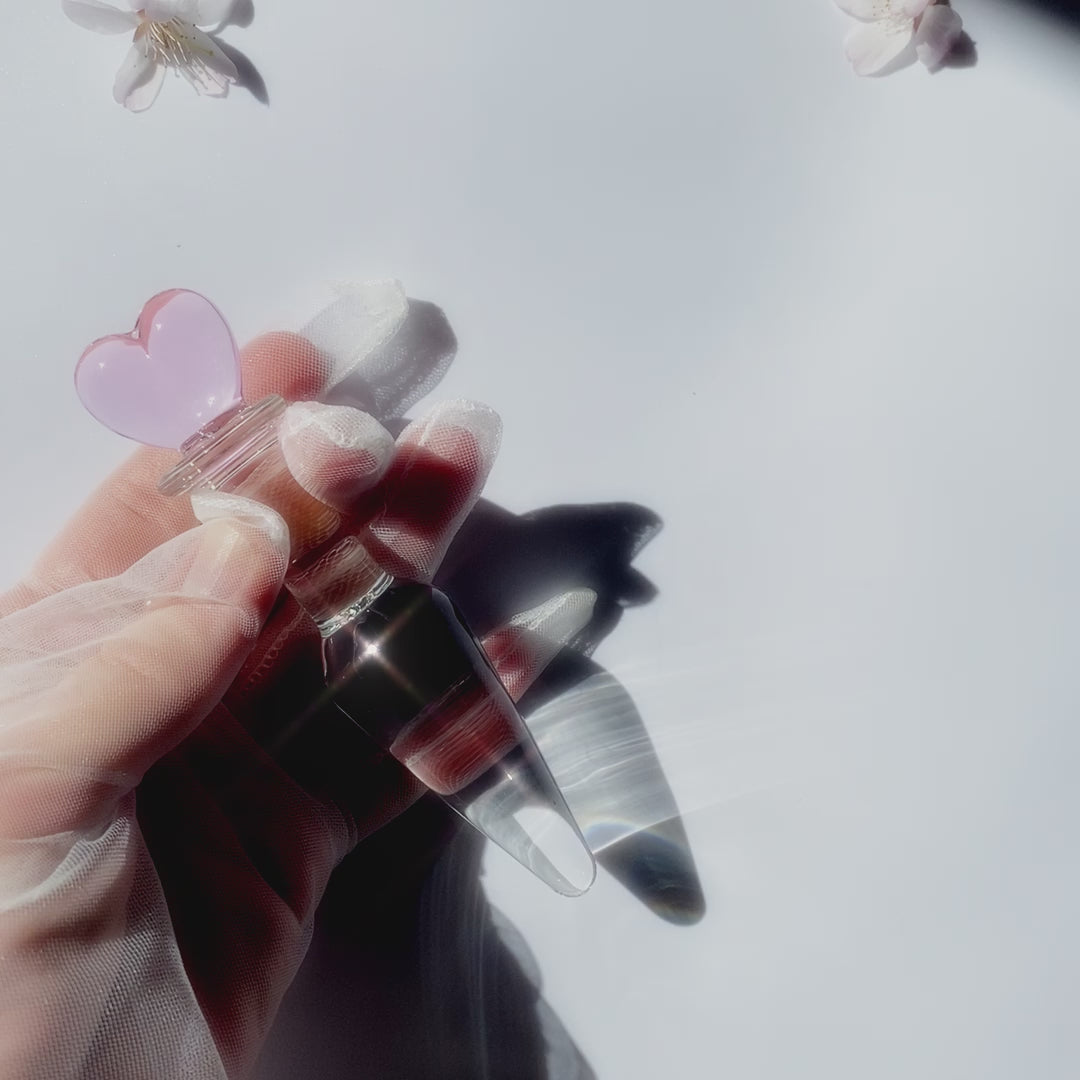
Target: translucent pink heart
(176,371)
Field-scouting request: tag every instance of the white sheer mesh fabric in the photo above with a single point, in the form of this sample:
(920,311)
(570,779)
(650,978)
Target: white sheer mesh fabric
(334,452)
(96,683)
(387,352)
(354,327)
(452,448)
(148,923)
(433,473)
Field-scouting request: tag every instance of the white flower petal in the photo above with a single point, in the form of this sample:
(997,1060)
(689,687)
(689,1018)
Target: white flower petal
(912,9)
(883,10)
(209,70)
(165,10)
(212,12)
(145,93)
(936,35)
(137,70)
(875,45)
(867,10)
(99,17)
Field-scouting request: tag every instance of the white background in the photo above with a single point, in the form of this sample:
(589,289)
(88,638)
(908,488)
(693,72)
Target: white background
(824,327)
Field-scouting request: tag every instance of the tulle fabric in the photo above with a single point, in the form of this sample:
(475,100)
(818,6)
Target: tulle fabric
(96,683)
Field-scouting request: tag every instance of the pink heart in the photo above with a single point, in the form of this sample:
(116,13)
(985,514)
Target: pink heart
(176,371)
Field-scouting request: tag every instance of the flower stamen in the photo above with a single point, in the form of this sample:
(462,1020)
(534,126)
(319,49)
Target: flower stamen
(171,44)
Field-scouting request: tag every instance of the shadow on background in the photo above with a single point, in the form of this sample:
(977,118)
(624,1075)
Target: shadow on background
(241,13)
(411,974)
(964,53)
(1066,12)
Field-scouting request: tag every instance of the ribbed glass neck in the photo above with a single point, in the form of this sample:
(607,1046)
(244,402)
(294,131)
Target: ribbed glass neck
(337,582)
(331,573)
(229,444)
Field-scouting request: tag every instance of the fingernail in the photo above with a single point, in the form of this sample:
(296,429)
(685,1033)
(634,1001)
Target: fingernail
(438,431)
(337,425)
(559,618)
(361,320)
(334,452)
(219,540)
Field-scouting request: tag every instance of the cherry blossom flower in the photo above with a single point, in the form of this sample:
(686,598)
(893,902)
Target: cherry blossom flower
(166,34)
(897,32)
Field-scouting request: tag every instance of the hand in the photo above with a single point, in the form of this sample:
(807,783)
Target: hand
(170,805)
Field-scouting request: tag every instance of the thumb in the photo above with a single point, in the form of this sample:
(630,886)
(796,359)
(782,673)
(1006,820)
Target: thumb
(99,681)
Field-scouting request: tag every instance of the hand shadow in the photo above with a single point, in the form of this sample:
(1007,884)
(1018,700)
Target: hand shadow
(411,973)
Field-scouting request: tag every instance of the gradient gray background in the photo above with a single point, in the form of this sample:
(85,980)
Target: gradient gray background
(824,327)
